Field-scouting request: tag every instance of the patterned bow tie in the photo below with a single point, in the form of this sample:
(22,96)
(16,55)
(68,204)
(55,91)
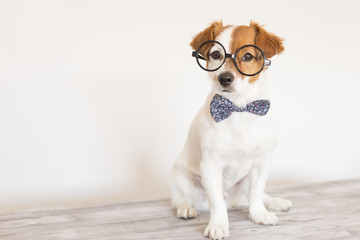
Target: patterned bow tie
(221,107)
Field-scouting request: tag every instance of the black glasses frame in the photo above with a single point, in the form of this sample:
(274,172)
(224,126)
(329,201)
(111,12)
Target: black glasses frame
(196,54)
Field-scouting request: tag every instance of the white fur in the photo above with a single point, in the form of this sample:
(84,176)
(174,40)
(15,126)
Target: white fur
(226,164)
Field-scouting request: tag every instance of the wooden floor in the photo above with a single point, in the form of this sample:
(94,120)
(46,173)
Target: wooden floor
(322,211)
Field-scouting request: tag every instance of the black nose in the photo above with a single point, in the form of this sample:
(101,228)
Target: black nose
(225,79)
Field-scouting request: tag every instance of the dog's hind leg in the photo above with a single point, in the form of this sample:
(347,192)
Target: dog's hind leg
(276,204)
(184,192)
(239,198)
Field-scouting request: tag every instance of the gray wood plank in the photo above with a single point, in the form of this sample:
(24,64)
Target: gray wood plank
(321,211)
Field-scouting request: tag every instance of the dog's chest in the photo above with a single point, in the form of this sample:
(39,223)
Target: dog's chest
(240,141)
(243,135)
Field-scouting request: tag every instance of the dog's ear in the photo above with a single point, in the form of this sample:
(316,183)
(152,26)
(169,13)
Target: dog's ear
(208,34)
(268,42)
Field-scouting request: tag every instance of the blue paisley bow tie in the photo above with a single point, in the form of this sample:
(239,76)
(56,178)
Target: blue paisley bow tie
(221,107)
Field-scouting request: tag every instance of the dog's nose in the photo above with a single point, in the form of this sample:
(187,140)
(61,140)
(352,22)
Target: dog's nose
(225,79)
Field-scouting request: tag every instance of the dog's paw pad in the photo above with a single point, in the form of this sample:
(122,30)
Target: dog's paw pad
(217,232)
(278,204)
(264,217)
(186,212)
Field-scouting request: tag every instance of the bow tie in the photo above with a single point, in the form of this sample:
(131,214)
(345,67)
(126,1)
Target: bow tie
(221,107)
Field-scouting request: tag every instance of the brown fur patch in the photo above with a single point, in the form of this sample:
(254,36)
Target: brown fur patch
(241,35)
(268,42)
(254,34)
(244,35)
(207,34)
(210,33)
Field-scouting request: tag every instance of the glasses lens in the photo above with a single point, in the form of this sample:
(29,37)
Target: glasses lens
(211,56)
(249,60)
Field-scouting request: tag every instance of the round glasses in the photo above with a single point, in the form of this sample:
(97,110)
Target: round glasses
(249,60)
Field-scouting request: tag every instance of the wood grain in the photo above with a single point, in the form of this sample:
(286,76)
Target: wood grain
(321,211)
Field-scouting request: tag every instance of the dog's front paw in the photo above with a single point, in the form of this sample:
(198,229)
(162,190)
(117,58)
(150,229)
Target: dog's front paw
(186,211)
(263,217)
(215,231)
(277,204)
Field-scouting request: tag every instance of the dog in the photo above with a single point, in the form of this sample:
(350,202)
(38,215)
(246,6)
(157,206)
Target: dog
(227,155)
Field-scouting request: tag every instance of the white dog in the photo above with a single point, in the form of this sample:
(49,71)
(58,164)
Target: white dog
(227,156)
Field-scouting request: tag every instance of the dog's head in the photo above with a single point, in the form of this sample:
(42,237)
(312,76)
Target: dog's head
(233,67)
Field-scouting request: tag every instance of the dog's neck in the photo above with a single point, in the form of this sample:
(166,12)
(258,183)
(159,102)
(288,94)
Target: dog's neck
(246,93)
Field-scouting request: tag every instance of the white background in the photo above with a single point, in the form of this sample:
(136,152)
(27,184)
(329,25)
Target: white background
(96,97)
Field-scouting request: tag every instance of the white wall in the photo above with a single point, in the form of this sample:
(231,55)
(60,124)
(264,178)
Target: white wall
(96,96)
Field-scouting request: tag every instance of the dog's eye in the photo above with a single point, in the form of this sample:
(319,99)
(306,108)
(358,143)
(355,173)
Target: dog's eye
(247,57)
(215,55)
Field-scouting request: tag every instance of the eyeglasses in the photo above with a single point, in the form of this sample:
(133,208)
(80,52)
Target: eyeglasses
(249,60)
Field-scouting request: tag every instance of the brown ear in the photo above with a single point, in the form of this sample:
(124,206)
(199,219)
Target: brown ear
(268,42)
(208,34)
